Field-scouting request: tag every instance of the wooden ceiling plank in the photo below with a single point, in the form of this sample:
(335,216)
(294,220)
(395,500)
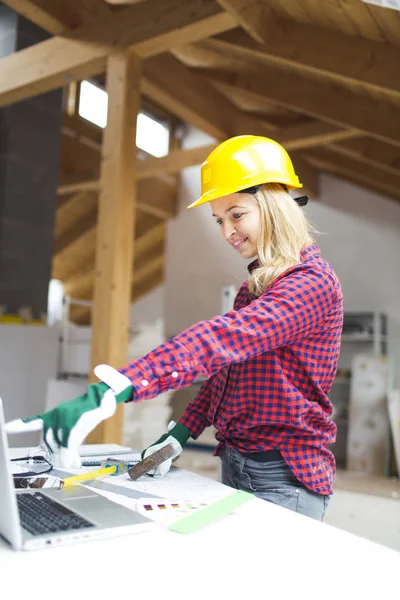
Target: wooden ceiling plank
(154,198)
(157,199)
(174,162)
(83,130)
(195,100)
(77,284)
(88,182)
(73,209)
(147,29)
(335,105)
(248,15)
(58,16)
(353,170)
(82,315)
(341,57)
(50,15)
(293,138)
(364,23)
(292,9)
(83,226)
(309,135)
(388,21)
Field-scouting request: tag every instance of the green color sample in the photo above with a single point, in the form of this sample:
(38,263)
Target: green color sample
(211,513)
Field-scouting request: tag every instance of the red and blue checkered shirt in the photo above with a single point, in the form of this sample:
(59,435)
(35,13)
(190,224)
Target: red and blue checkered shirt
(269,364)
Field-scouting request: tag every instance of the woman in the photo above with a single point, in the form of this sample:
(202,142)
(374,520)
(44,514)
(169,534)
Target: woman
(269,363)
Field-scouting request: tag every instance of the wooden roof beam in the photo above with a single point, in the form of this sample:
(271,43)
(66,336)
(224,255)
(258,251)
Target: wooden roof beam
(343,166)
(247,14)
(148,231)
(152,236)
(147,29)
(81,287)
(342,57)
(174,162)
(153,199)
(58,16)
(326,102)
(195,100)
(370,152)
(152,279)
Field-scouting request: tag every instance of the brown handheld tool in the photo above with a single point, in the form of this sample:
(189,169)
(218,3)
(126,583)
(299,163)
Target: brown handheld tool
(151,462)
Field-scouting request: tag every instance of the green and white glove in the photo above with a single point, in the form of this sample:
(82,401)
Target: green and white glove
(177,435)
(66,426)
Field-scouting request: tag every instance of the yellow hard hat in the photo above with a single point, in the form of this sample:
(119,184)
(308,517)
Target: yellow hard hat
(242,162)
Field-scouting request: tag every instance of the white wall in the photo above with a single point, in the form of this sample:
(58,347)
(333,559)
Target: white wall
(361,239)
(28,359)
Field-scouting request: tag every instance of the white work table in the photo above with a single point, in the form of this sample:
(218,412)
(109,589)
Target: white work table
(261,551)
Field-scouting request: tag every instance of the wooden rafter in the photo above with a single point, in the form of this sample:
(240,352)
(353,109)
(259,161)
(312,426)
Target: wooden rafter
(194,100)
(70,266)
(146,29)
(371,177)
(249,15)
(146,281)
(370,152)
(82,227)
(50,15)
(341,57)
(151,167)
(333,104)
(154,198)
(81,284)
(58,16)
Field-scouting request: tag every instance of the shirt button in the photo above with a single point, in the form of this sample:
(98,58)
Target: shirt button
(144,382)
(174,374)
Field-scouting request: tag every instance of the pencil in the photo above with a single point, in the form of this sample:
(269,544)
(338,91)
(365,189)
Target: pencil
(88,476)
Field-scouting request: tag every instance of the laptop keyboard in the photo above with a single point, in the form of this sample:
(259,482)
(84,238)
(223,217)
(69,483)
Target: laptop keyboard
(40,514)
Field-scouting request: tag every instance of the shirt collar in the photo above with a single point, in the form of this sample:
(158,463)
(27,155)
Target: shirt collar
(305,254)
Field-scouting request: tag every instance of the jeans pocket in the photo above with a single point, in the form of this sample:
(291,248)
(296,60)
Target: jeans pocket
(269,476)
(287,497)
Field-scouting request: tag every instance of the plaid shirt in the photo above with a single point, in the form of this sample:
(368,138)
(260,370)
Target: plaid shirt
(270,364)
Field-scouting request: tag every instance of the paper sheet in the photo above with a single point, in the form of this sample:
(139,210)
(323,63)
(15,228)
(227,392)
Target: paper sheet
(103,449)
(177,483)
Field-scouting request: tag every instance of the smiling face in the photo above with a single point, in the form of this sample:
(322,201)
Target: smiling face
(238,216)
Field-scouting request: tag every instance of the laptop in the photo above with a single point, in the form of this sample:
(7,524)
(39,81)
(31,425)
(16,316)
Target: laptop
(35,519)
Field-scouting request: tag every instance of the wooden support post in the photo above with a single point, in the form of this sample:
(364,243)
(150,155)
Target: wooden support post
(115,230)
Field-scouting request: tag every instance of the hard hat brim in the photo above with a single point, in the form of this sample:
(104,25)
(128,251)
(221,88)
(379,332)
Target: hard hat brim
(219,193)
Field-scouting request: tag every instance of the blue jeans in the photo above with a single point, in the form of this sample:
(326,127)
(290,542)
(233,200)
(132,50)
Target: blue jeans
(272,481)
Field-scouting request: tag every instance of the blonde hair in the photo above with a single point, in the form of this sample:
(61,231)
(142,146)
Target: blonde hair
(284,232)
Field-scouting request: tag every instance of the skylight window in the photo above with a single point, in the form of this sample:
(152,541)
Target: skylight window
(151,135)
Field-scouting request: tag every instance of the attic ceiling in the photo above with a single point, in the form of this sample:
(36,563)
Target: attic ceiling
(321,77)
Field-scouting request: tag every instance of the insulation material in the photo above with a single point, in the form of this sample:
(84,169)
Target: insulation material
(368,437)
